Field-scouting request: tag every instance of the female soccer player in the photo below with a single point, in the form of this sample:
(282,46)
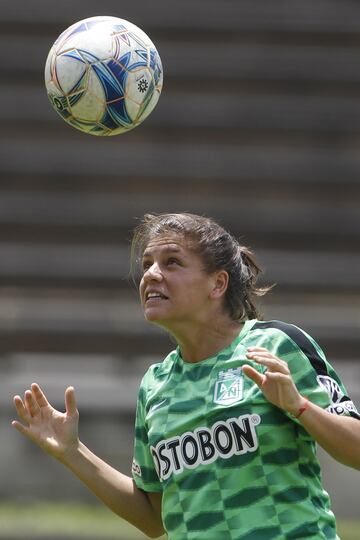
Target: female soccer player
(227,423)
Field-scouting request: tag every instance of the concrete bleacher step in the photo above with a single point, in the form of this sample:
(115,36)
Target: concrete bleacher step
(103,211)
(209,62)
(201,162)
(322,16)
(49,262)
(223,110)
(96,392)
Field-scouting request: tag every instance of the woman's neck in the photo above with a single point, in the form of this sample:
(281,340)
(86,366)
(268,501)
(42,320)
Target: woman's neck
(201,343)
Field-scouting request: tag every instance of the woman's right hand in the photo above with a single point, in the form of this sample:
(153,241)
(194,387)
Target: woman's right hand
(54,431)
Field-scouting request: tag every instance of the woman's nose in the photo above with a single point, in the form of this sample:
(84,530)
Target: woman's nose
(153,272)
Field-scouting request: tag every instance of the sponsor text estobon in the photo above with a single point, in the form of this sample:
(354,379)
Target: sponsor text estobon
(224,439)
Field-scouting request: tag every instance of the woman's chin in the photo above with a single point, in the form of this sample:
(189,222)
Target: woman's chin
(153,315)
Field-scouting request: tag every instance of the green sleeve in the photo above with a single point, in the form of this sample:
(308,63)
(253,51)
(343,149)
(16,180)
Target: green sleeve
(313,375)
(143,468)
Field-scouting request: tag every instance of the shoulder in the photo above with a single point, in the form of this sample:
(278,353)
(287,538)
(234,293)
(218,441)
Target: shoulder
(157,373)
(278,326)
(289,338)
(281,328)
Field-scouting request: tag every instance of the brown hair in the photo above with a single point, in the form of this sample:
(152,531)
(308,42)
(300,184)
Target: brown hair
(218,249)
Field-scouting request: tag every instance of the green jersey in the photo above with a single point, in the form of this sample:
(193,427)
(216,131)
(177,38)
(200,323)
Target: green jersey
(230,465)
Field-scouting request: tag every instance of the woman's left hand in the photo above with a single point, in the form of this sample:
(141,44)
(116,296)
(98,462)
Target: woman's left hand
(276,382)
(329,430)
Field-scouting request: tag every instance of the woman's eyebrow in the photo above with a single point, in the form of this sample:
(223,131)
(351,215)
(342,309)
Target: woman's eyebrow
(168,249)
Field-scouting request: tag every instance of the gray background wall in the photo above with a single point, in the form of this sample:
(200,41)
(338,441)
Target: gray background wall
(258,126)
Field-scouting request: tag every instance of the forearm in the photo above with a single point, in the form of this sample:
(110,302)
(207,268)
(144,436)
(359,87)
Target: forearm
(337,435)
(116,490)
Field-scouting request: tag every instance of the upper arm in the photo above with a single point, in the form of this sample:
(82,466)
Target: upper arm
(155,500)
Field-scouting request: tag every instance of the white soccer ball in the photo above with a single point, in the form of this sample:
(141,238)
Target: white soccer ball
(103,75)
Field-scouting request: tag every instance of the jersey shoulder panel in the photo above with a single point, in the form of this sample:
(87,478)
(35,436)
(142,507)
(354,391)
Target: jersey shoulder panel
(155,378)
(304,342)
(320,379)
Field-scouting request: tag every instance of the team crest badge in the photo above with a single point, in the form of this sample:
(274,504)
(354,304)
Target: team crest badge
(229,387)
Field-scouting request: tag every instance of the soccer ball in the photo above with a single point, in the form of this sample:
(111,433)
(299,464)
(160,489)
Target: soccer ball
(103,75)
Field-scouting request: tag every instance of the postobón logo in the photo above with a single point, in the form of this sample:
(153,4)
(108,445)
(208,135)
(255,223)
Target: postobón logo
(224,439)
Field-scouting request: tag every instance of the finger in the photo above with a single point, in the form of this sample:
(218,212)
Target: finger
(271,363)
(254,375)
(70,401)
(20,409)
(281,378)
(262,349)
(31,405)
(39,395)
(262,353)
(20,427)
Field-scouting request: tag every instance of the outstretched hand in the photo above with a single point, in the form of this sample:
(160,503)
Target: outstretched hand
(276,382)
(54,431)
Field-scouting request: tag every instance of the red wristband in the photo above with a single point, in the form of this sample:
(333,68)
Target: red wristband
(302,408)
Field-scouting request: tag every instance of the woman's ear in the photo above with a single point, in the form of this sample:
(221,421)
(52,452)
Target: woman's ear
(220,284)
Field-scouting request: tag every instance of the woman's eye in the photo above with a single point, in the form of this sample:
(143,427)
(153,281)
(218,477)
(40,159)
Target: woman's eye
(173,261)
(146,266)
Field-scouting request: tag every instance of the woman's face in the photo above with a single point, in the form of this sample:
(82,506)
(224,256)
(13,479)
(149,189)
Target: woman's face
(174,289)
